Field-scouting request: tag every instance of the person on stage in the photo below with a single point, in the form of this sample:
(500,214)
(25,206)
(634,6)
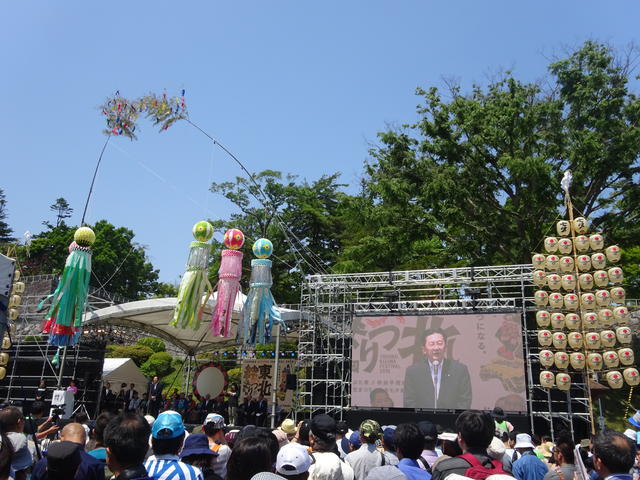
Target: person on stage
(155,396)
(437,382)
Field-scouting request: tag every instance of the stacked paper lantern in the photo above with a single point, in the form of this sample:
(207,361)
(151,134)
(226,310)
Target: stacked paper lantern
(13,311)
(581,317)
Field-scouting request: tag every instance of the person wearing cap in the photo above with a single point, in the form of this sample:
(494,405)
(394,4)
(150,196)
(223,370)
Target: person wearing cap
(389,445)
(89,468)
(448,445)
(293,462)
(528,466)
(367,456)
(430,436)
(62,461)
(409,441)
(437,382)
(288,426)
(475,432)
(563,459)
(213,428)
(196,452)
(322,440)
(167,438)
(613,455)
(126,438)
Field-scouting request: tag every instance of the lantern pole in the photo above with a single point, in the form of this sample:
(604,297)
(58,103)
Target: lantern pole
(274,385)
(569,205)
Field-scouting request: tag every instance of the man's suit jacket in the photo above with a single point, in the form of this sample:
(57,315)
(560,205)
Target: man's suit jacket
(155,390)
(455,386)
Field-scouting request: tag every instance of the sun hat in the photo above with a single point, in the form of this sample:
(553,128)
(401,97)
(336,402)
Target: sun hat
(216,419)
(546,449)
(197,444)
(496,449)
(168,425)
(523,440)
(635,419)
(630,434)
(288,426)
(327,466)
(293,459)
(370,429)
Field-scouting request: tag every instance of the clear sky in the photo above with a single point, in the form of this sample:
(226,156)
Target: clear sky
(297,86)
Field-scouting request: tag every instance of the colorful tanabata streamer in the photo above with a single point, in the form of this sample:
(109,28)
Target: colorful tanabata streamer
(194,282)
(260,312)
(64,318)
(229,284)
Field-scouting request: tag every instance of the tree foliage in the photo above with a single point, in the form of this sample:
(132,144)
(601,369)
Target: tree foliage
(138,353)
(62,210)
(158,364)
(6,233)
(154,343)
(119,265)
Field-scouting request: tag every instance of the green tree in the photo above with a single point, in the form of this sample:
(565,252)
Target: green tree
(62,210)
(138,353)
(477,179)
(6,233)
(165,290)
(154,343)
(158,364)
(119,265)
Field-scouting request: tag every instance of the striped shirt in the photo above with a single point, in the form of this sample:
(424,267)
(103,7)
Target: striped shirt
(169,467)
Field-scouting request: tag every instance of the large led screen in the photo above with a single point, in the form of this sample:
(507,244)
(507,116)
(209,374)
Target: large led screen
(466,361)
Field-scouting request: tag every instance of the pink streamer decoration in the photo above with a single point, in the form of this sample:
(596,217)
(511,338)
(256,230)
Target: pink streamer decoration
(228,287)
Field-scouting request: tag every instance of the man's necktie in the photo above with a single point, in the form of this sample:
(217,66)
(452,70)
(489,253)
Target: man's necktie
(434,376)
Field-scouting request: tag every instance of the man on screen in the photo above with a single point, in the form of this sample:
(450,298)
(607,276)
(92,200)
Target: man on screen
(437,382)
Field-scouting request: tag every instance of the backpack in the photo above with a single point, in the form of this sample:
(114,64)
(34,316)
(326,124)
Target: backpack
(480,471)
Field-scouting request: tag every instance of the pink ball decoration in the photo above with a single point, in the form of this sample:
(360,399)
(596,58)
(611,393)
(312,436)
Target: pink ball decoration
(234,239)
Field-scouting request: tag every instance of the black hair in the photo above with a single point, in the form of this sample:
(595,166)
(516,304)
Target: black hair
(341,427)
(248,457)
(101,424)
(504,436)
(127,438)
(324,444)
(9,418)
(615,451)
(210,430)
(433,331)
(375,391)
(476,428)
(564,444)
(6,455)
(81,417)
(38,407)
(167,446)
(409,440)
(202,461)
(303,433)
(512,435)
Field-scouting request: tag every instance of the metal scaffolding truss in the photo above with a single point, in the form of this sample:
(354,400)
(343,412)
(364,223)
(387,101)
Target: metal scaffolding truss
(330,302)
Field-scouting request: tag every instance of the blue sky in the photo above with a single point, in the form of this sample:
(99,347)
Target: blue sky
(301,87)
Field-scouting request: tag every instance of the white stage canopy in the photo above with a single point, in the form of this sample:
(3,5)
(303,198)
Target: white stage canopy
(153,316)
(123,370)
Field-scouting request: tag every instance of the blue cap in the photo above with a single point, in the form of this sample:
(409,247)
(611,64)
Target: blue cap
(354,439)
(388,437)
(168,425)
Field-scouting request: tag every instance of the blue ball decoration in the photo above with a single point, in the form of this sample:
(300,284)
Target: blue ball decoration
(263,248)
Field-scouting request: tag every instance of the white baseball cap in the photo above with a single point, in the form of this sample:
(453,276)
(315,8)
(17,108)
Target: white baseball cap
(216,419)
(293,459)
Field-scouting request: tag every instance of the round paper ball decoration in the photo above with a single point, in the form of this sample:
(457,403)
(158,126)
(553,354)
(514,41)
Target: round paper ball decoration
(234,239)
(572,321)
(561,360)
(618,294)
(202,231)
(577,360)
(580,225)
(615,379)
(262,248)
(626,357)
(546,358)
(547,379)
(563,381)
(563,227)
(596,242)
(631,376)
(610,359)
(551,244)
(565,246)
(613,253)
(538,260)
(84,237)
(582,243)
(594,361)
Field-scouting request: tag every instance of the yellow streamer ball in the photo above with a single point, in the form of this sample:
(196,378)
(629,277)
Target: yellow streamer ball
(84,237)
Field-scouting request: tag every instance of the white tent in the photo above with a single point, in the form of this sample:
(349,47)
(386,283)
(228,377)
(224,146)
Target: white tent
(123,370)
(154,316)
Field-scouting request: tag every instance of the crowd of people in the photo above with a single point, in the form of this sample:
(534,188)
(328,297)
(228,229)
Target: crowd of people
(129,446)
